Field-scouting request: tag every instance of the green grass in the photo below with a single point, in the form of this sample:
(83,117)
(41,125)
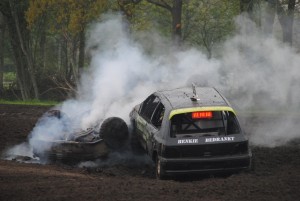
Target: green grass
(29,102)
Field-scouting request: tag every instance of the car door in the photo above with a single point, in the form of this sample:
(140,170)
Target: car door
(153,128)
(143,121)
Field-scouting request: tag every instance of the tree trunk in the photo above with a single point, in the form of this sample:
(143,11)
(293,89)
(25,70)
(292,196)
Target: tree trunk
(24,45)
(176,21)
(14,12)
(291,10)
(2,31)
(176,12)
(81,51)
(62,56)
(74,59)
(286,20)
(43,46)
(246,6)
(269,17)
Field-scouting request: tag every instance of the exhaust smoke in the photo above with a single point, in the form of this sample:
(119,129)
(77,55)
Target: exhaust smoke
(259,75)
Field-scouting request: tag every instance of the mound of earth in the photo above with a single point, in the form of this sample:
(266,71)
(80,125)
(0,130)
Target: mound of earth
(276,175)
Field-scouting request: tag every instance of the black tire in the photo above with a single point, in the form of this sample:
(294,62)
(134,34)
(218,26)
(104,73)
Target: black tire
(159,169)
(114,132)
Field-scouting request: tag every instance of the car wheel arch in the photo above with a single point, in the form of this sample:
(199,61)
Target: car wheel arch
(154,155)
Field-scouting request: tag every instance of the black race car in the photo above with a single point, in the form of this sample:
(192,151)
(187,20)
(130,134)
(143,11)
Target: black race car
(190,130)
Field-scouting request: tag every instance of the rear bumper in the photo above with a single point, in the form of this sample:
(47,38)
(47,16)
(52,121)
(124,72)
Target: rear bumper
(206,165)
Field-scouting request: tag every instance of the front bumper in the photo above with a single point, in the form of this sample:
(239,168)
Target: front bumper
(206,165)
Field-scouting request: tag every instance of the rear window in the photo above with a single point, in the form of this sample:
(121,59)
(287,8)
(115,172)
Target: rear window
(212,123)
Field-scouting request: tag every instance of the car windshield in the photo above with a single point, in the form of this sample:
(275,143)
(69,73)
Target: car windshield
(204,124)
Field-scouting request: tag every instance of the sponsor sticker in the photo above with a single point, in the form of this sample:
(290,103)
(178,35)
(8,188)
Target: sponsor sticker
(187,141)
(219,139)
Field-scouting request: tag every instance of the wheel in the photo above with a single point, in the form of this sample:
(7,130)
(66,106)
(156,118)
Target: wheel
(159,169)
(114,132)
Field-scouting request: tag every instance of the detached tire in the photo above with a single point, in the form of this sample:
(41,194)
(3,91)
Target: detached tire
(114,132)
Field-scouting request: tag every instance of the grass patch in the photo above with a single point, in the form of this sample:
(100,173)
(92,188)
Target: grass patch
(29,102)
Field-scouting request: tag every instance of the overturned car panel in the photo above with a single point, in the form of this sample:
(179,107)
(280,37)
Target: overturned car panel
(82,145)
(73,151)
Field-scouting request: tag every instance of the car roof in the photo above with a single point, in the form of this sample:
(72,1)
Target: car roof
(181,97)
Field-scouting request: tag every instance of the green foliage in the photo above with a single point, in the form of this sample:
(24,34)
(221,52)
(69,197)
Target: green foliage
(148,17)
(58,36)
(208,22)
(65,15)
(204,22)
(9,80)
(55,27)
(29,102)
(9,77)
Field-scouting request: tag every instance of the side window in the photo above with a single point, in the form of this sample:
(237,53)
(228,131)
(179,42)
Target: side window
(146,104)
(158,115)
(148,107)
(232,124)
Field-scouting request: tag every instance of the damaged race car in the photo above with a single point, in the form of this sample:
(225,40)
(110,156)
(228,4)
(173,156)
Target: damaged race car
(190,130)
(89,144)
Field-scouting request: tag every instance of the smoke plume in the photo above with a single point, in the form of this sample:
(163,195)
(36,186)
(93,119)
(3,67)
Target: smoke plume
(257,73)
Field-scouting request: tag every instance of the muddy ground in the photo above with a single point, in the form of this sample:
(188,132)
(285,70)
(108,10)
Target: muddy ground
(276,175)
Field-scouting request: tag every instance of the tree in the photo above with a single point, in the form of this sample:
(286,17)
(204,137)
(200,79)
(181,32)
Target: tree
(175,9)
(208,22)
(246,6)
(270,16)
(286,19)
(69,19)
(203,22)
(252,8)
(13,12)
(285,12)
(2,30)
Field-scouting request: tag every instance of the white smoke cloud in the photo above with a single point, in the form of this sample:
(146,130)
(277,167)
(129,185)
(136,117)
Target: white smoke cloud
(262,77)
(123,74)
(259,64)
(256,73)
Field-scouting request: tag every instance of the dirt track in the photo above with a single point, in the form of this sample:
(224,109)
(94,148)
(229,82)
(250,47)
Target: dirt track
(276,176)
